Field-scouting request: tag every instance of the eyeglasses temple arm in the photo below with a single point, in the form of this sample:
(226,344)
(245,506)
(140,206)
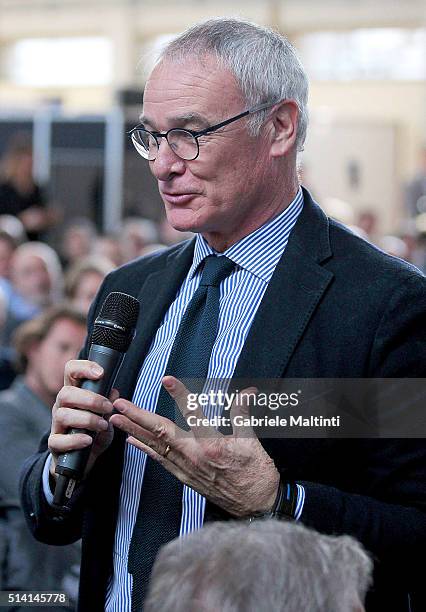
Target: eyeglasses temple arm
(219,125)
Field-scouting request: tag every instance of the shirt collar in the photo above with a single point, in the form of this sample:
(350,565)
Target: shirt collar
(260,251)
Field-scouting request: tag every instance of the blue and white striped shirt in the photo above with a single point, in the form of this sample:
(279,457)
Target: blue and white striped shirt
(241,293)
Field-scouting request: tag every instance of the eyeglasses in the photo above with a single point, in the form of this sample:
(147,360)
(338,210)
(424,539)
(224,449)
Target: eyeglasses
(184,143)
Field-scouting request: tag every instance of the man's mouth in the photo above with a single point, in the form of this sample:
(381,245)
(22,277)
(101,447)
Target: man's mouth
(177,197)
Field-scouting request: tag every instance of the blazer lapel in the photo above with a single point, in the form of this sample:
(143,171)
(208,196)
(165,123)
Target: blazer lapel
(291,298)
(155,296)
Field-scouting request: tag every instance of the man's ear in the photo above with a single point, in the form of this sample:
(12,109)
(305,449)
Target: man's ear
(285,122)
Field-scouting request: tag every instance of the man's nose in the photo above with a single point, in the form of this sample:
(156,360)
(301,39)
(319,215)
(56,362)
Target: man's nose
(166,163)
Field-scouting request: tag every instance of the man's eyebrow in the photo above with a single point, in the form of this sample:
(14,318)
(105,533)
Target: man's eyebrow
(179,120)
(191,118)
(144,120)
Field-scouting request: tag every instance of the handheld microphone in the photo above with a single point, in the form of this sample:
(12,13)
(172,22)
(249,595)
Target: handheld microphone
(111,337)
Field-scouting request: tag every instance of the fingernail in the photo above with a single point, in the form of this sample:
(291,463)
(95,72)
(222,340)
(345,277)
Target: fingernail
(103,425)
(97,370)
(169,384)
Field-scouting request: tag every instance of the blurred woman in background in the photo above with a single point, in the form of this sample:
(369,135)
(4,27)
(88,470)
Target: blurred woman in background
(19,194)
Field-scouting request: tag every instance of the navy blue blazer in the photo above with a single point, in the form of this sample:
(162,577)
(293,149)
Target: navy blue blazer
(336,307)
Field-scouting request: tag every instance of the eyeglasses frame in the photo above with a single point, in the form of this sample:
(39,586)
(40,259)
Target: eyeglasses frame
(198,133)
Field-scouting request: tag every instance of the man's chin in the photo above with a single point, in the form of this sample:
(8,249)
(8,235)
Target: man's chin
(182,222)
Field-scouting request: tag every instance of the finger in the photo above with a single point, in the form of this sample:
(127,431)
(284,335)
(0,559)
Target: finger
(173,454)
(63,443)
(74,397)
(150,428)
(148,450)
(240,413)
(161,427)
(133,429)
(114,394)
(77,370)
(69,418)
(164,461)
(188,407)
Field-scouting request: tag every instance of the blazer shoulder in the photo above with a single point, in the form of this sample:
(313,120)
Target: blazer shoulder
(360,257)
(130,277)
(147,264)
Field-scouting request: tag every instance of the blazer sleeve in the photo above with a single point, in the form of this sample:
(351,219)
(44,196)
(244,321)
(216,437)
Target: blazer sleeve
(390,518)
(390,524)
(45,524)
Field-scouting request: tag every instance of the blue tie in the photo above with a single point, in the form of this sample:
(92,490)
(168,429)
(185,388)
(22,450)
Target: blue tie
(160,506)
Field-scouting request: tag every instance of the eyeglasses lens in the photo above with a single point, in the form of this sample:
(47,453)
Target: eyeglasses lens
(180,141)
(145,144)
(183,144)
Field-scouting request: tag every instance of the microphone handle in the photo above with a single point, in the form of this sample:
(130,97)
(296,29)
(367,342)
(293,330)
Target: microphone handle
(73,463)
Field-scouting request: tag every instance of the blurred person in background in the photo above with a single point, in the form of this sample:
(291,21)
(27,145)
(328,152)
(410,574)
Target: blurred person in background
(136,234)
(83,280)
(367,221)
(79,237)
(14,227)
(343,211)
(35,283)
(153,248)
(109,247)
(19,194)
(340,210)
(7,247)
(269,565)
(394,246)
(415,189)
(43,346)
(414,242)
(7,370)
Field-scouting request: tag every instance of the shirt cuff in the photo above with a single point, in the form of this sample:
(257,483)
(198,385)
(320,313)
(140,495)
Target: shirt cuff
(46,484)
(300,501)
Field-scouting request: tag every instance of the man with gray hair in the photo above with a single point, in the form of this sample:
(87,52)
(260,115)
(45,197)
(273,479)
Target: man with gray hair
(268,288)
(268,565)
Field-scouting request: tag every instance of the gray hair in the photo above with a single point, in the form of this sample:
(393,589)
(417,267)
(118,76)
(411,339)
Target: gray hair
(264,63)
(51,261)
(268,565)
(145,228)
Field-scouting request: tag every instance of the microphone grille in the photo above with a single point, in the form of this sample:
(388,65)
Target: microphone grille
(116,321)
(121,308)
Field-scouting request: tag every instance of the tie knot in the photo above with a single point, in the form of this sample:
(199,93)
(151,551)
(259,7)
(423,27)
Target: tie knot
(216,269)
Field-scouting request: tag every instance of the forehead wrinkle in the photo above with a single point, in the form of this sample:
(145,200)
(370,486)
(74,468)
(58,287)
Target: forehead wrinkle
(178,93)
(179,119)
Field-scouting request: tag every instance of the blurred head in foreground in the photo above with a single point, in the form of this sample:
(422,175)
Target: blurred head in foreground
(268,565)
